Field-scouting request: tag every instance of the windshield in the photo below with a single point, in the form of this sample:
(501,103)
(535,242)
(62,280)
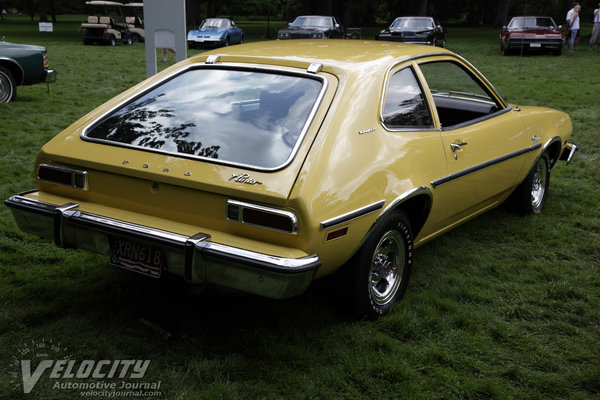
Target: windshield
(233,116)
(412,24)
(215,23)
(313,21)
(532,22)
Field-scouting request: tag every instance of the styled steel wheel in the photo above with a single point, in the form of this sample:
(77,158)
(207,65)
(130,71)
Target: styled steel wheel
(385,272)
(539,184)
(382,267)
(8,85)
(530,196)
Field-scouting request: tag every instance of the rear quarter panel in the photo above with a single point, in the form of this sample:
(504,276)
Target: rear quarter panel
(354,163)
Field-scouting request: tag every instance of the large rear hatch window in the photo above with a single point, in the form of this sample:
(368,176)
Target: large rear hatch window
(243,117)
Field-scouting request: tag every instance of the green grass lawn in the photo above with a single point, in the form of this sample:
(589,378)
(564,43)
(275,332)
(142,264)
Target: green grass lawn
(503,307)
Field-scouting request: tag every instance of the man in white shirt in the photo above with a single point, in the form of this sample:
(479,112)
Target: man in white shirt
(595,39)
(573,21)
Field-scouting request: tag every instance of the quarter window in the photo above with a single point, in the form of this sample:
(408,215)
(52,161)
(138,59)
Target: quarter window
(460,98)
(405,105)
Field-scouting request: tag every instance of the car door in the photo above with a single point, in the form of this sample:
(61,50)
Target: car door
(484,141)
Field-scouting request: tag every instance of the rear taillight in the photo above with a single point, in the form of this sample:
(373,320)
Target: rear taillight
(262,217)
(45,59)
(60,175)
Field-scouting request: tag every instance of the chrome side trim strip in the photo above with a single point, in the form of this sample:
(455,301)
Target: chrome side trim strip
(421,190)
(475,168)
(352,215)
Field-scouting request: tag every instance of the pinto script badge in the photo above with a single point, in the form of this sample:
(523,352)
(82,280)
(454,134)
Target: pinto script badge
(244,178)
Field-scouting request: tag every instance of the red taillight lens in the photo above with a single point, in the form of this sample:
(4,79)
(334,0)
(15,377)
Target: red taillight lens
(262,217)
(45,59)
(62,176)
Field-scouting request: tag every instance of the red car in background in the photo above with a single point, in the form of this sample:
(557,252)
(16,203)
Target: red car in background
(531,33)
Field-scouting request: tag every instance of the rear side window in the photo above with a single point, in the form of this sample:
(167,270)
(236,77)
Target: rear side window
(460,97)
(249,118)
(405,105)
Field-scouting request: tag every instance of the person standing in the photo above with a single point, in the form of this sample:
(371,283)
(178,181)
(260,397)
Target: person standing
(573,20)
(595,39)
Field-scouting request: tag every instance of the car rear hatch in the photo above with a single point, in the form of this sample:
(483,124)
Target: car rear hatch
(204,152)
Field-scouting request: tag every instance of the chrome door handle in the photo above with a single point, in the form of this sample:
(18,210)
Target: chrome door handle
(456,146)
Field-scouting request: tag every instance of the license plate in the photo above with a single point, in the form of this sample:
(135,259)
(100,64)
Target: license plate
(137,257)
(535,45)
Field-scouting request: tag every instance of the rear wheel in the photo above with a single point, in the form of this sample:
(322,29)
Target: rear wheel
(8,85)
(381,267)
(529,197)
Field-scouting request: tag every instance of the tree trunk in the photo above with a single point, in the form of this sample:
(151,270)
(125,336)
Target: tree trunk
(502,13)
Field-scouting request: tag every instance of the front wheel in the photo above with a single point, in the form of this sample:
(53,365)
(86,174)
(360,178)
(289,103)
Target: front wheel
(8,85)
(529,197)
(382,267)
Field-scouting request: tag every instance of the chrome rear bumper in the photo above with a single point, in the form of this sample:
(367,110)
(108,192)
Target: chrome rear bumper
(195,258)
(568,152)
(50,76)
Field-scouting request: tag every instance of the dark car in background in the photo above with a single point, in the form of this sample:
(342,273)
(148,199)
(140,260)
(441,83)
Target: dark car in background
(421,30)
(532,33)
(312,27)
(20,65)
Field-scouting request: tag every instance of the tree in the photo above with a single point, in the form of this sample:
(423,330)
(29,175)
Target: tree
(502,13)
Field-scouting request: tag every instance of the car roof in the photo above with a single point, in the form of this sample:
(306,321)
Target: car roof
(331,53)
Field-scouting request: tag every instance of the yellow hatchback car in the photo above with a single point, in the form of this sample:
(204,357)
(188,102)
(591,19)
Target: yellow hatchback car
(264,166)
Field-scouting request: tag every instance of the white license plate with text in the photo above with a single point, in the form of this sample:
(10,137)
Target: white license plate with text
(137,257)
